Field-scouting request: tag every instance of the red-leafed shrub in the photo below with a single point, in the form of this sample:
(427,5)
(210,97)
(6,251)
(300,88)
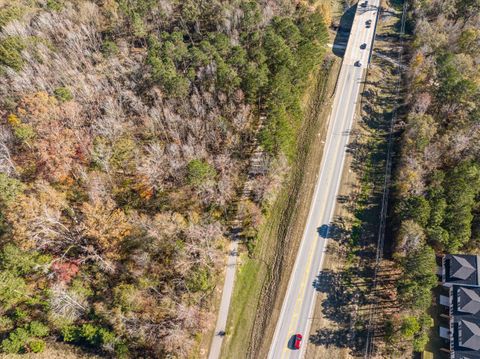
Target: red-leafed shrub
(65,271)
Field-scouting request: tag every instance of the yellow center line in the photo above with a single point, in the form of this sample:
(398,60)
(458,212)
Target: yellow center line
(329,170)
(305,276)
(298,307)
(301,294)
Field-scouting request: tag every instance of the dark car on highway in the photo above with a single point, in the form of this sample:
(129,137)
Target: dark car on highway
(363,46)
(358,63)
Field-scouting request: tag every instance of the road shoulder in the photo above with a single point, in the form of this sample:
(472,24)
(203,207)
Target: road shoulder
(258,276)
(344,293)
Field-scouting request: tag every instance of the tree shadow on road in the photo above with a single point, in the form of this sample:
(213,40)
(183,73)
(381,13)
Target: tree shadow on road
(339,307)
(348,295)
(339,338)
(343,31)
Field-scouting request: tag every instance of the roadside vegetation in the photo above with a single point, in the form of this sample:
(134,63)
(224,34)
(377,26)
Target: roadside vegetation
(437,180)
(264,269)
(354,295)
(123,147)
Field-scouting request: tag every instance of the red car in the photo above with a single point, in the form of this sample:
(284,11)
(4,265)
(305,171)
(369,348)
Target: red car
(297,341)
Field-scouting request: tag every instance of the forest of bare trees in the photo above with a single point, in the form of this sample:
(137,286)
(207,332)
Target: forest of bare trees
(123,144)
(437,182)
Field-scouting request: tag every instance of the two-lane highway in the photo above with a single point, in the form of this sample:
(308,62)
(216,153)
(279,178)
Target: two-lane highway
(296,313)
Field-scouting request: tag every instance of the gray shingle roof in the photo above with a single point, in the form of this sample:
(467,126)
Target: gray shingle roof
(469,335)
(460,268)
(468,300)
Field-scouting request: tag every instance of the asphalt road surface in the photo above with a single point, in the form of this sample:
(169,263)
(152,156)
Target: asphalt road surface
(297,309)
(217,340)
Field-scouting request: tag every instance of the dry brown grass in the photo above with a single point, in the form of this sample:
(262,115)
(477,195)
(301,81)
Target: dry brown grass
(54,351)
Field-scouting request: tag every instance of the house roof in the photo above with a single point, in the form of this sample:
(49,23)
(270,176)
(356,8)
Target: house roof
(460,268)
(469,300)
(465,322)
(461,274)
(469,335)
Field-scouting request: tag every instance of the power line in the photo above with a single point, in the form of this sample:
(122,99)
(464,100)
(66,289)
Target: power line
(369,347)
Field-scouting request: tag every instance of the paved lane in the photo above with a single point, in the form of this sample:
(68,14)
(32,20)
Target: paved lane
(217,340)
(298,305)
